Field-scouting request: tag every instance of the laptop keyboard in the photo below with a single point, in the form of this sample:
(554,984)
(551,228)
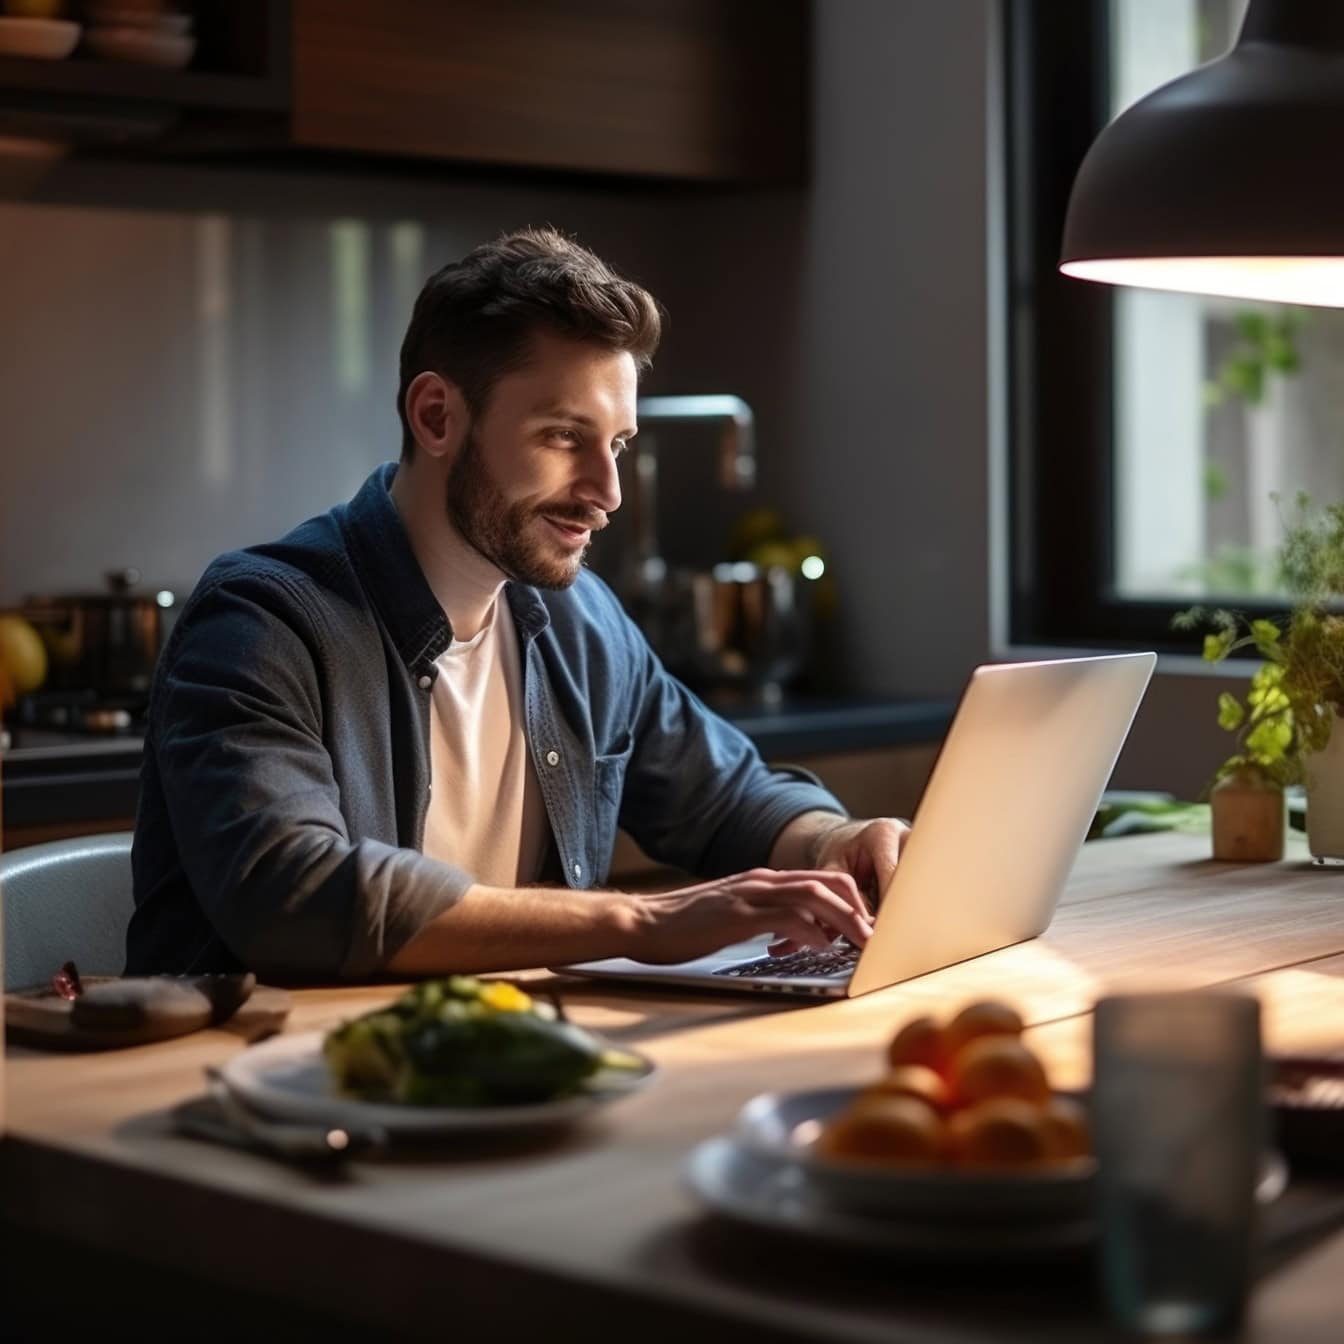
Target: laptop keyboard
(833,960)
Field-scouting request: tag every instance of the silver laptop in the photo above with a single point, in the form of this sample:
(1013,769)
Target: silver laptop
(1006,808)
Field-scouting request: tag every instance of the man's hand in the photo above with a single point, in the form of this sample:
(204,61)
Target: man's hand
(804,909)
(867,850)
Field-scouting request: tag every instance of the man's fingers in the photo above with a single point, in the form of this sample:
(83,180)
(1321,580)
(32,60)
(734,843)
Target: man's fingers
(810,895)
(841,894)
(793,927)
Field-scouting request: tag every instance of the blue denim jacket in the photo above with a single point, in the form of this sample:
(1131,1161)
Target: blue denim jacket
(286,773)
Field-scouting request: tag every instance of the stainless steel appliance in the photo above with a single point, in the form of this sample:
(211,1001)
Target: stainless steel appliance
(717,626)
(738,627)
(101,649)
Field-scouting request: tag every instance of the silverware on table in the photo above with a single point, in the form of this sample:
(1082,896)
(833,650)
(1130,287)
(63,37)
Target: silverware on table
(223,1117)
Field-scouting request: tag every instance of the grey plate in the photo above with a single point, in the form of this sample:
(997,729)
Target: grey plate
(782,1126)
(776,1196)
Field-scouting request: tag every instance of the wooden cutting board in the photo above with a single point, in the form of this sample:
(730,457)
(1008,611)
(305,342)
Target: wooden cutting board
(123,1013)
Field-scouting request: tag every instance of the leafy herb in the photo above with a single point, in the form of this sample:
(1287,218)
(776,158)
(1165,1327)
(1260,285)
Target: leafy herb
(1297,692)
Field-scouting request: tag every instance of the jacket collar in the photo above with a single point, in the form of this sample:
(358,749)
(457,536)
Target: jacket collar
(387,567)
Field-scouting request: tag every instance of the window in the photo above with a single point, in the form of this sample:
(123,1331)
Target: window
(1149,431)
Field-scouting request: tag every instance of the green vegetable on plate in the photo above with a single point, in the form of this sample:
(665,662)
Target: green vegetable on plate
(464,1042)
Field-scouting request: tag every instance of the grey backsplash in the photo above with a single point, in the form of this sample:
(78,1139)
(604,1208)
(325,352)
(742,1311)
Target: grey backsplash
(177,382)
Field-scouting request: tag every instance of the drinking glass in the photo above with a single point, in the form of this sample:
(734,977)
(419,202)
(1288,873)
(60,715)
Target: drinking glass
(1178,1116)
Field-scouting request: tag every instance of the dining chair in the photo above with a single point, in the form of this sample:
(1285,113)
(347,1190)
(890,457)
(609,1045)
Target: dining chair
(68,900)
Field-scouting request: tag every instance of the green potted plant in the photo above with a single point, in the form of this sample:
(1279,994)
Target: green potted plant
(1286,726)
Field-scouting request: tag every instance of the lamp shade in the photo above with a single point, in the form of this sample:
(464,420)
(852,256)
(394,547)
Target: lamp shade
(1230,179)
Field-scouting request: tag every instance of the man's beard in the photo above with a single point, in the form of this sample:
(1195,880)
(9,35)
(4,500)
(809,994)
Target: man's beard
(506,534)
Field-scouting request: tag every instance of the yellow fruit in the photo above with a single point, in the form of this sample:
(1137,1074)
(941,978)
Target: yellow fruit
(988,1017)
(913,1080)
(998,1066)
(7,692)
(920,1041)
(1002,1132)
(1066,1128)
(23,654)
(899,1130)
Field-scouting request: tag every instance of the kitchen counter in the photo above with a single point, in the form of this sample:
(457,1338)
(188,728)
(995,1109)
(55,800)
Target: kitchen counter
(68,782)
(64,783)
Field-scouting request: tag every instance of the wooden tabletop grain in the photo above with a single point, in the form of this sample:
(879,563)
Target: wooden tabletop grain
(594,1228)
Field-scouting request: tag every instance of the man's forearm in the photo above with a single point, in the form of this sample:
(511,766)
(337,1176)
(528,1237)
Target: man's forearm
(798,845)
(517,928)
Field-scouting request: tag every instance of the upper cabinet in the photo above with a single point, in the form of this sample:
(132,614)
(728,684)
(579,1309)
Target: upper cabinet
(149,77)
(691,90)
(705,89)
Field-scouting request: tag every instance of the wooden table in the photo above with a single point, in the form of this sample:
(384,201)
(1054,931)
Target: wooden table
(592,1232)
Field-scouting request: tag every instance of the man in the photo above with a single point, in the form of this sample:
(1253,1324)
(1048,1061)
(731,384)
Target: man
(400,740)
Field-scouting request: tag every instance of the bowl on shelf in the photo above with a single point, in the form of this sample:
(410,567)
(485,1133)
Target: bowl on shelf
(41,39)
(141,46)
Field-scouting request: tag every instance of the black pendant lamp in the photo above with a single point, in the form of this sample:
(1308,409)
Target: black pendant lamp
(1228,180)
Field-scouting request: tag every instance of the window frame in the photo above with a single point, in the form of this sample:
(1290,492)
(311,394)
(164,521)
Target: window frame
(1060,350)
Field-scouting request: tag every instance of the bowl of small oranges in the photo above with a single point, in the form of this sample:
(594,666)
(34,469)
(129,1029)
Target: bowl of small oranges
(962,1122)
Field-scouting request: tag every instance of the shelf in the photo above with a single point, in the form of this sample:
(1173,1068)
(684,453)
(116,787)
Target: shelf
(84,78)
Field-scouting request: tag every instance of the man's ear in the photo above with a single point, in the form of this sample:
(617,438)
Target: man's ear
(437,413)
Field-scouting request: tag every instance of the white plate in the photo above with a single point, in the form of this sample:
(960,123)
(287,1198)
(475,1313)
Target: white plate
(287,1078)
(782,1126)
(776,1196)
(45,39)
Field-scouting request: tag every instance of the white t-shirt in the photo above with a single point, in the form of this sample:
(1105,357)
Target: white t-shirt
(486,813)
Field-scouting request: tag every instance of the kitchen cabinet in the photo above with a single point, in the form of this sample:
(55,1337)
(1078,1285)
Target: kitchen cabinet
(693,89)
(235,91)
(711,91)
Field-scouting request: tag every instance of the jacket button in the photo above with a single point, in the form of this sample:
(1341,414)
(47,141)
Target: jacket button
(578,870)
(552,758)
(425,683)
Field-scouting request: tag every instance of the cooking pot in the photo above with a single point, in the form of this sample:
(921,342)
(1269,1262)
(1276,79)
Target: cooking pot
(106,642)
(736,625)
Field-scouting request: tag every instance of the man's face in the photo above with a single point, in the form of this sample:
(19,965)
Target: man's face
(536,473)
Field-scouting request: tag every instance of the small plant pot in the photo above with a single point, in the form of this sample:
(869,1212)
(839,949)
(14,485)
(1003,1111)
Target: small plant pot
(1324,771)
(1248,819)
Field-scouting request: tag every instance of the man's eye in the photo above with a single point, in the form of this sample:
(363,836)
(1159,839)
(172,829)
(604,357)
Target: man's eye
(619,448)
(567,435)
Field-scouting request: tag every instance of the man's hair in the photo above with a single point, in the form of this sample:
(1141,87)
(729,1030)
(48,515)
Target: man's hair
(474,318)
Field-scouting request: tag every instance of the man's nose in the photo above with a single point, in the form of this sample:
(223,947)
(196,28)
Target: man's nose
(601,484)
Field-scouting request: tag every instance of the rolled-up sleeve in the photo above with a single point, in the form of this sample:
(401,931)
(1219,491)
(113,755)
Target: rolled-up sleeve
(254,805)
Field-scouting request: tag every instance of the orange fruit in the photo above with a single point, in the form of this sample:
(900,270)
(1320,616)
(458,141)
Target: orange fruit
(987,1017)
(1067,1129)
(998,1066)
(885,1129)
(1001,1132)
(920,1041)
(913,1080)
